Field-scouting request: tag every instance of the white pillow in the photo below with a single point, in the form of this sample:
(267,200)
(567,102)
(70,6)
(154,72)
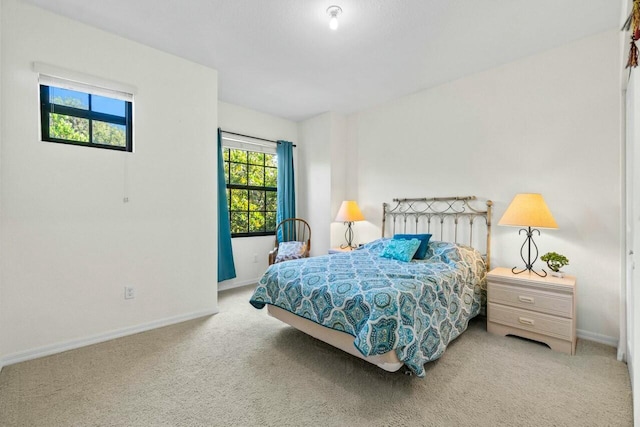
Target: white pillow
(290,250)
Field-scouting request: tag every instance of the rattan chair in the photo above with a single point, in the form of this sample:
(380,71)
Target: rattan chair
(292,230)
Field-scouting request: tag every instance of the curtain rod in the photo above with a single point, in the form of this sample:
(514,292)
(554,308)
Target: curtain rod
(249,136)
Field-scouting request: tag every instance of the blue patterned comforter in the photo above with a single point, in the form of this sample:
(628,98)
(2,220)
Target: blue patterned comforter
(413,308)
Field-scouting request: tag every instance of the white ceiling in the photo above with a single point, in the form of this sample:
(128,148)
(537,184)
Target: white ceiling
(280,56)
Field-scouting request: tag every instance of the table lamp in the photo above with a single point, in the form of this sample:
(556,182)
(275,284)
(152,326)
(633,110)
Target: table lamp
(528,210)
(348,213)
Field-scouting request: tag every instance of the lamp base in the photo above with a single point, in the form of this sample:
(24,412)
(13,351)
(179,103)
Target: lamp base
(528,263)
(348,236)
(531,270)
(347,246)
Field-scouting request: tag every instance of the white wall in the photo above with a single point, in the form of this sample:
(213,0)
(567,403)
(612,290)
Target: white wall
(342,162)
(329,159)
(548,123)
(1,138)
(338,151)
(247,249)
(69,243)
(314,197)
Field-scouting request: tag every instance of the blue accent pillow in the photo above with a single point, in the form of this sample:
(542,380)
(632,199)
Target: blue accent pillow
(424,242)
(400,249)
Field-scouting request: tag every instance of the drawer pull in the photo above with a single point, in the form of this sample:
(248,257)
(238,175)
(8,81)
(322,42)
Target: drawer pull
(526,321)
(528,300)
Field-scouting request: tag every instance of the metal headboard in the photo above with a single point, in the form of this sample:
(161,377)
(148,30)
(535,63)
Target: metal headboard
(412,215)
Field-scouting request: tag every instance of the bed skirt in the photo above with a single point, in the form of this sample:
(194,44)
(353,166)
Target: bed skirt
(387,361)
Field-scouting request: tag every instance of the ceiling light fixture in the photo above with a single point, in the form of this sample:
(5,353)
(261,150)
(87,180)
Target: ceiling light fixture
(333,12)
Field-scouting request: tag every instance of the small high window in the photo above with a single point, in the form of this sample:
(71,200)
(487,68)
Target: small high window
(76,114)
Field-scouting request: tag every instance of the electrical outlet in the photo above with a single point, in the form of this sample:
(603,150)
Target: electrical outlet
(129,292)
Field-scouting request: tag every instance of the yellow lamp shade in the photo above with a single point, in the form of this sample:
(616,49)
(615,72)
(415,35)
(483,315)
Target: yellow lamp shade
(528,210)
(349,212)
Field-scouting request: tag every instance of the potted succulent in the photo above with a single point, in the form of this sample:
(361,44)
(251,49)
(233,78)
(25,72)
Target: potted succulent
(555,262)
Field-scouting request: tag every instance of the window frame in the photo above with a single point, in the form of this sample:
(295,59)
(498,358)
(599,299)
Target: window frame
(249,188)
(47,107)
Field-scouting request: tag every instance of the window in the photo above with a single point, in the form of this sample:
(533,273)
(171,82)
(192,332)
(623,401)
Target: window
(73,116)
(251,179)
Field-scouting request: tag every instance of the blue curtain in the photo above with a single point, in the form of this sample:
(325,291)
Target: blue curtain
(286,190)
(226,266)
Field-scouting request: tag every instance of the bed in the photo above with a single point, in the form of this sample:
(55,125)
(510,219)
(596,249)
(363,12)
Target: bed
(389,312)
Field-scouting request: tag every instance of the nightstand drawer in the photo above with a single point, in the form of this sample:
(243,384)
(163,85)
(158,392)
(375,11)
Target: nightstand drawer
(555,303)
(558,327)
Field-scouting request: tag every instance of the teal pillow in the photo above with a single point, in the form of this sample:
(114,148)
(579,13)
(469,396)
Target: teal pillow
(424,242)
(402,250)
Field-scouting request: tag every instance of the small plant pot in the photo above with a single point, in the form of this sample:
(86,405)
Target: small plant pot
(557,273)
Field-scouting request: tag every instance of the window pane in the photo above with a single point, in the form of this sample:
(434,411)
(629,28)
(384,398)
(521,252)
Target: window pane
(239,200)
(256,158)
(271,177)
(109,134)
(272,201)
(271,160)
(252,211)
(238,173)
(256,222)
(105,105)
(256,175)
(239,156)
(67,123)
(226,172)
(257,200)
(68,127)
(270,221)
(67,97)
(239,222)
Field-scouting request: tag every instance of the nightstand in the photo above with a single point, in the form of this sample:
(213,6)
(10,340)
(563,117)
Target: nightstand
(539,308)
(339,250)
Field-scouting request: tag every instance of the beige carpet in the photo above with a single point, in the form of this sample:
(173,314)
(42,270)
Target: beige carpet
(244,368)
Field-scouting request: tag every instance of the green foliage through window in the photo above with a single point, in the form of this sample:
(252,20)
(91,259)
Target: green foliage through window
(251,179)
(79,118)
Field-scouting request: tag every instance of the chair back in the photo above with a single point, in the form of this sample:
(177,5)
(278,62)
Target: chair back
(294,229)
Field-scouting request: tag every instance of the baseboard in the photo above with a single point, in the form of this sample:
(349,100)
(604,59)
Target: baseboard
(602,339)
(226,286)
(95,339)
